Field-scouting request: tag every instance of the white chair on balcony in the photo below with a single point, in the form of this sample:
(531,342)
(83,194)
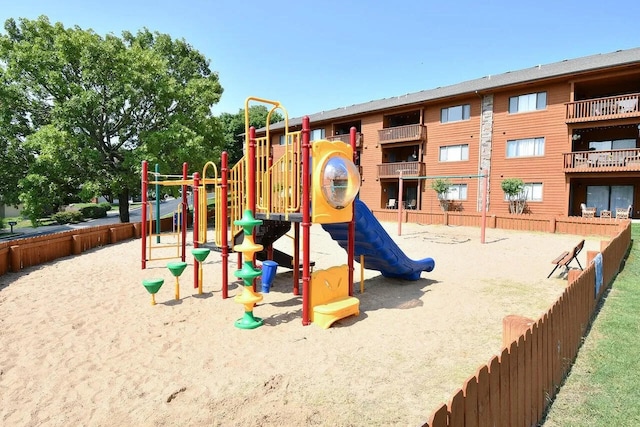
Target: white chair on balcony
(391,204)
(623,213)
(587,212)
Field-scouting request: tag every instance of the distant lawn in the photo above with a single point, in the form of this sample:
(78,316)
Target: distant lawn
(603,388)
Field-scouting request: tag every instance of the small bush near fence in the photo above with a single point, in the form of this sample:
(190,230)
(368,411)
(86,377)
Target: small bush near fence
(105,205)
(93,211)
(67,217)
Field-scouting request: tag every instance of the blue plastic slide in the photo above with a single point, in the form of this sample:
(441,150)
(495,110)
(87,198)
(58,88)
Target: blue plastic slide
(380,252)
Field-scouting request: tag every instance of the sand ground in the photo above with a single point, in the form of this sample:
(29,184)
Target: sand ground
(80,343)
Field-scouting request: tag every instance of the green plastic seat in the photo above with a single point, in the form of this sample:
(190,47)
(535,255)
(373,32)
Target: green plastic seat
(153,285)
(200,253)
(177,267)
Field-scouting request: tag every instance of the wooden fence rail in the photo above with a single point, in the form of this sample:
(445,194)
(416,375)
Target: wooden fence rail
(27,252)
(30,251)
(514,388)
(543,223)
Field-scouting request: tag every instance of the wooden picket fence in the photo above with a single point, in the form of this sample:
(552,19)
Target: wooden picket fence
(528,222)
(27,252)
(514,388)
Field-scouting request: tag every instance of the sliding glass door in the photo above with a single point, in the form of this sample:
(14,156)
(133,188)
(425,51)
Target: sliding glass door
(609,197)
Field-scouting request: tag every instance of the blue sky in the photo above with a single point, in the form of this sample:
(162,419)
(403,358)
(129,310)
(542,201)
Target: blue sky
(320,55)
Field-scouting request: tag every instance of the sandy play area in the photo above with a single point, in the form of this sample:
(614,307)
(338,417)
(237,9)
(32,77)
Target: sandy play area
(80,343)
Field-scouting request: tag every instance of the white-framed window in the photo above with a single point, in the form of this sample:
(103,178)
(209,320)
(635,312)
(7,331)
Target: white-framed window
(282,139)
(528,102)
(525,147)
(455,114)
(457,192)
(531,192)
(454,153)
(316,135)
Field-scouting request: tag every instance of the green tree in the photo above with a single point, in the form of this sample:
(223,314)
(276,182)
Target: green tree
(514,189)
(115,100)
(14,128)
(233,126)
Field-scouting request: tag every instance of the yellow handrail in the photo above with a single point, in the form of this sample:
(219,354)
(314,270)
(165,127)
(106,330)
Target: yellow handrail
(176,232)
(202,202)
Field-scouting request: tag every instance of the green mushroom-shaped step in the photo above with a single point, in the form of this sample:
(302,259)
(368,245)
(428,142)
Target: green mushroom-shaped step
(153,286)
(176,268)
(200,253)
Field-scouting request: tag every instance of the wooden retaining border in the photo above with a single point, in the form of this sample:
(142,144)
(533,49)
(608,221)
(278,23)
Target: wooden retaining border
(30,251)
(542,223)
(515,388)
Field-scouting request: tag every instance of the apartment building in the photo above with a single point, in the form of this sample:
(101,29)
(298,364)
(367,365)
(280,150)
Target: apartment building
(570,130)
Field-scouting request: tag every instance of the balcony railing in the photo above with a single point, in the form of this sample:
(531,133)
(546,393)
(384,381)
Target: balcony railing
(613,107)
(603,161)
(346,139)
(392,170)
(402,134)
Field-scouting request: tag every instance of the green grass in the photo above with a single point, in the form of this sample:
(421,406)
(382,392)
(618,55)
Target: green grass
(603,388)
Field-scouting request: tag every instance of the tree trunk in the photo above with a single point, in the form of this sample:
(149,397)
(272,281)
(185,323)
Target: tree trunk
(123,205)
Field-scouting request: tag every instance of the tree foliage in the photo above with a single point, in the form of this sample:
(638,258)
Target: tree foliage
(514,189)
(234,128)
(87,109)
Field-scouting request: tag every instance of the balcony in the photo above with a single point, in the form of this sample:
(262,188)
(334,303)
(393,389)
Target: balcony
(613,107)
(346,139)
(392,170)
(402,134)
(603,161)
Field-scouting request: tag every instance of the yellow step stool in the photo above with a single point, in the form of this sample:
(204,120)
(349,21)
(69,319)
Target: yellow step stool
(329,296)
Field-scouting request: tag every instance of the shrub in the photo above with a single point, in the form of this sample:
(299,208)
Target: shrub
(441,186)
(67,217)
(93,211)
(514,189)
(105,205)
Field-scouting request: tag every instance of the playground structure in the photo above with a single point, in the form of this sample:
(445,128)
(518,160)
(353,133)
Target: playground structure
(258,200)
(198,185)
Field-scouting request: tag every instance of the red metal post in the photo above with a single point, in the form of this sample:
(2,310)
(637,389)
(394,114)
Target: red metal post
(183,212)
(143,224)
(224,190)
(484,205)
(306,220)
(351,243)
(196,191)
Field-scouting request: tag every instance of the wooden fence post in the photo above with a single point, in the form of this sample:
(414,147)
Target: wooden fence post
(16,259)
(77,244)
(137,230)
(113,235)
